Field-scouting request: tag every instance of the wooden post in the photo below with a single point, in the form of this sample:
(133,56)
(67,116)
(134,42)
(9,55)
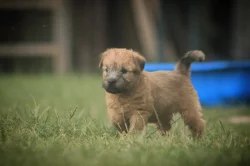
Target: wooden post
(62,36)
(241,30)
(146,29)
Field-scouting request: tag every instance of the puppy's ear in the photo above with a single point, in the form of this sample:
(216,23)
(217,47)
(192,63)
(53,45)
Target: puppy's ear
(140,60)
(101,60)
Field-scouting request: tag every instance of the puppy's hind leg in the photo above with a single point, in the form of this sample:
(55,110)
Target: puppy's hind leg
(192,118)
(164,124)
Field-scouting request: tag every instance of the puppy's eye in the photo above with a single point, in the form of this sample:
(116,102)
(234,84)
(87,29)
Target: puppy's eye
(124,70)
(105,69)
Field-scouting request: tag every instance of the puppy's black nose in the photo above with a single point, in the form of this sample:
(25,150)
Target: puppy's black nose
(111,80)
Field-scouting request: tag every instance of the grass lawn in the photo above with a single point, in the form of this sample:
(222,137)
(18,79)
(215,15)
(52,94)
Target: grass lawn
(48,120)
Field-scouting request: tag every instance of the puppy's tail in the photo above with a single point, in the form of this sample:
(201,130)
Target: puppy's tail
(183,65)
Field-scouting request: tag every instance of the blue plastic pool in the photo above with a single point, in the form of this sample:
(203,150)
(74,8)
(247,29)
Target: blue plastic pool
(217,83)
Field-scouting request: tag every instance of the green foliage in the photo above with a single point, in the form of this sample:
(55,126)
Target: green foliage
(48,120)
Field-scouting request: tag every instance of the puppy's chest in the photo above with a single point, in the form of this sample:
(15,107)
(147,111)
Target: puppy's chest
(131,103)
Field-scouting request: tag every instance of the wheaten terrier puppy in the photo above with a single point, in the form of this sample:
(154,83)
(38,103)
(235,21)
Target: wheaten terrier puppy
(135,97)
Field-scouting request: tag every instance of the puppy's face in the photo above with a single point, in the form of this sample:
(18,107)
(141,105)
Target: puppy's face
(121,69)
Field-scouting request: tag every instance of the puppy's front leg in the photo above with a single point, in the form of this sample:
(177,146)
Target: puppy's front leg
(138,121)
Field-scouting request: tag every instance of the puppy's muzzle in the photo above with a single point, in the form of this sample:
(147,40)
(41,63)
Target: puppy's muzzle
(111,87)
(111,81)
(110,84)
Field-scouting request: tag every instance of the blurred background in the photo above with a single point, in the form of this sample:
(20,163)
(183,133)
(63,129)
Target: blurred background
(69,35)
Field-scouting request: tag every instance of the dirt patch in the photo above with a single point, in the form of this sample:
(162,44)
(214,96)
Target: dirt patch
(239,119)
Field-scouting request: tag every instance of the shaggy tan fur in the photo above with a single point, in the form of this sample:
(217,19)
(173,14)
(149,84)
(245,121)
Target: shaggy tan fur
(135,97)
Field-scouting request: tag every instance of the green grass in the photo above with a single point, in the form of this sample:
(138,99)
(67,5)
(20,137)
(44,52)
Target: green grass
(48,120)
